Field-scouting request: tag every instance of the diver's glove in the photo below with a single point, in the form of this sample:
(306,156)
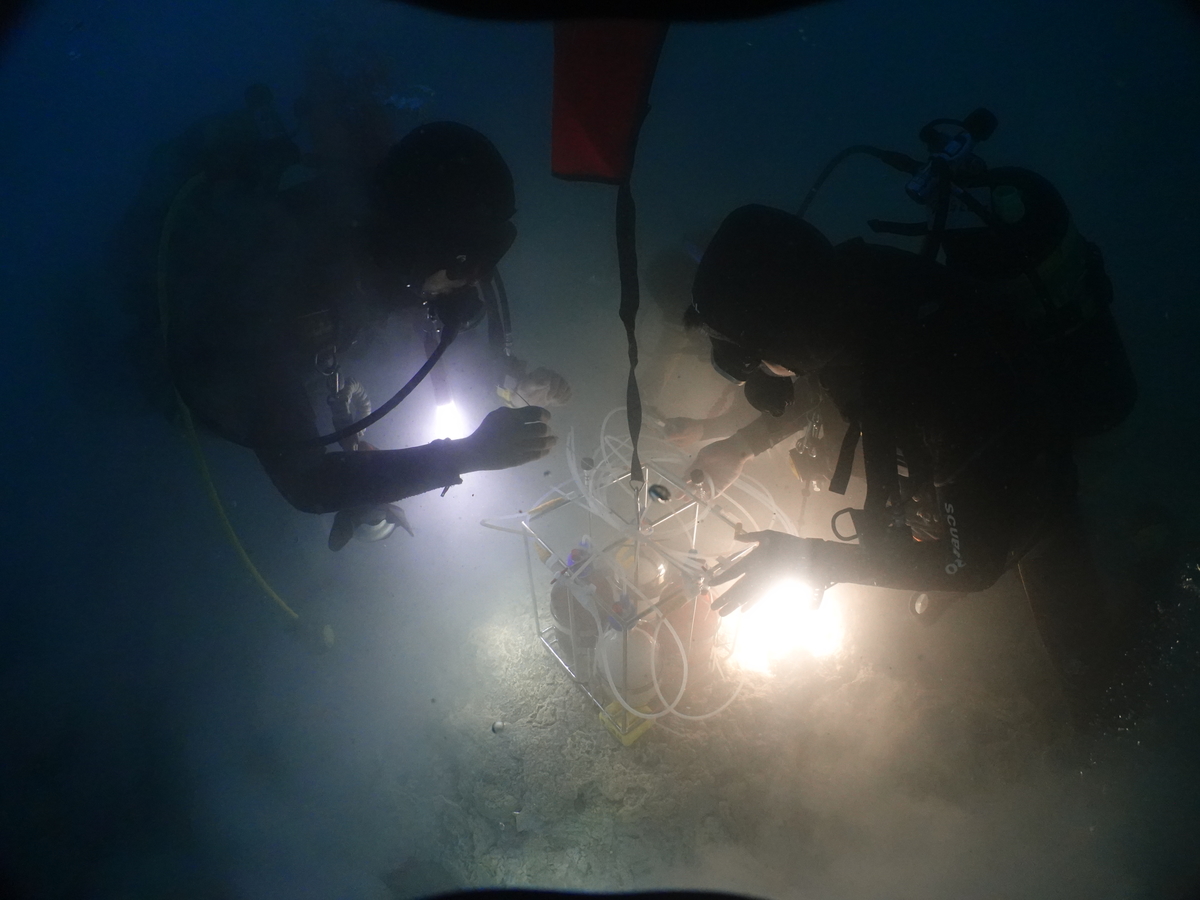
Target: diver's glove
(506,438)
(681,431)
(777,556)
(368,523)
(541,387)
(544,387)
(347,406)
(718,465)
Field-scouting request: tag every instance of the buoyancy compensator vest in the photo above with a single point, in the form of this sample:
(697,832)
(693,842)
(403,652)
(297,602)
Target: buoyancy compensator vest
(1035,262)
(1010,233)
(1009,230)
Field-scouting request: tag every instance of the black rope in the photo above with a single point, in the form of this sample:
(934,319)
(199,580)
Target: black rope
(630,299)
(448,335)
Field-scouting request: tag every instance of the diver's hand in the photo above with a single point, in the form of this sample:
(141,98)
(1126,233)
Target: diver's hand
(682,431)
(717,466)
(776,557)
(543,387)
(506,438)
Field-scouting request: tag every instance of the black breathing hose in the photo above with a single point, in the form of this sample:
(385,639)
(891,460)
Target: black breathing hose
(893,158)
(449,333)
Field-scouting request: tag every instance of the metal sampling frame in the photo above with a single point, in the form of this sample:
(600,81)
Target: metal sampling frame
(635,584)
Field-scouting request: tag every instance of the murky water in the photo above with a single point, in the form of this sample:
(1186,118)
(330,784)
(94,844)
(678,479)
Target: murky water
(167,735)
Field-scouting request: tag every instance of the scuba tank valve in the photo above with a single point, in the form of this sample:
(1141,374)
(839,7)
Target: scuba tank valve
(949,154)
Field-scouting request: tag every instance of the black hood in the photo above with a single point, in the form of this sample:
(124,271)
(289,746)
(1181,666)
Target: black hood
(443,198)
(764,277)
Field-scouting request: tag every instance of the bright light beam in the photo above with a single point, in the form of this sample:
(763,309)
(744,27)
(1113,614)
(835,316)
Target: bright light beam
(449,422)
(782,624)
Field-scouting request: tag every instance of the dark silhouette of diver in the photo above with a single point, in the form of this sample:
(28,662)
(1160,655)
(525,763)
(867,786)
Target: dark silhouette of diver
(273,263)
(966,381)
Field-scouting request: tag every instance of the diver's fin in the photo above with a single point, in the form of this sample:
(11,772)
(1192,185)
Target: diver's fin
(396,516)
(342,530)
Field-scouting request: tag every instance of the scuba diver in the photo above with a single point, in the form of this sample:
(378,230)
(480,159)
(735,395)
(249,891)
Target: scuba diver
(967,379)
(274,263)
(672,373)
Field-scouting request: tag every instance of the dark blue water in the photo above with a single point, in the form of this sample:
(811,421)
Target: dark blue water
(162,733)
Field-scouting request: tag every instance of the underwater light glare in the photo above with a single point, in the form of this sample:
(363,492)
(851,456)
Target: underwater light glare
(449,422)
(783,623)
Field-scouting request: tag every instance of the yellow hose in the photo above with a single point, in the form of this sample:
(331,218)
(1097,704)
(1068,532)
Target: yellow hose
(189,426)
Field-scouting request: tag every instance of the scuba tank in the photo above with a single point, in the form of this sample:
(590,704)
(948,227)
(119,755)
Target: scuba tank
(1035,262)
(1009,230)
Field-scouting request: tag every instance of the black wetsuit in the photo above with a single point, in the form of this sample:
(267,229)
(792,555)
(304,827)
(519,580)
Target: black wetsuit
(969,459)
(962,455)
(259,285)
